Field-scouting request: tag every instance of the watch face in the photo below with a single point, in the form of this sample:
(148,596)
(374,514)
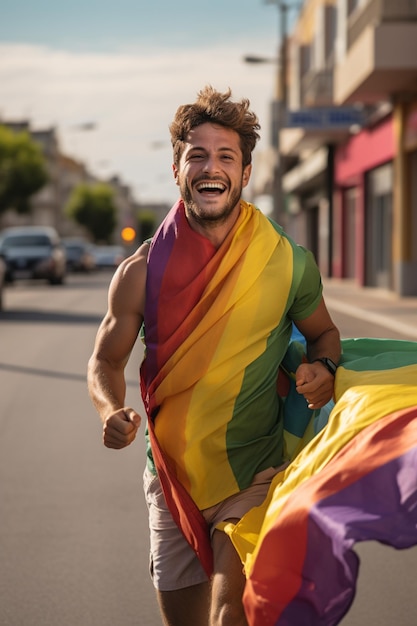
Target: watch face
(330,365)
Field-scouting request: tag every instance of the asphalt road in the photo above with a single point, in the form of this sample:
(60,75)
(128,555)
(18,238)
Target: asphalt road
(73,524)
(73,529)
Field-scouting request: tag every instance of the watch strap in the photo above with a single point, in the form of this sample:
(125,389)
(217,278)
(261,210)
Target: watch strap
(328,364)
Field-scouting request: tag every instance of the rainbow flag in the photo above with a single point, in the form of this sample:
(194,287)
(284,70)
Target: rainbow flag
(203,380)
(355,481)
(351,481)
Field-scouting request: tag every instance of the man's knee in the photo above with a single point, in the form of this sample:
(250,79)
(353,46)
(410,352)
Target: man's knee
(229,614)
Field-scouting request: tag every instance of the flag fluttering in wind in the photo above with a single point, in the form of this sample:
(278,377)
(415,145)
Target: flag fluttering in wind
(356,480)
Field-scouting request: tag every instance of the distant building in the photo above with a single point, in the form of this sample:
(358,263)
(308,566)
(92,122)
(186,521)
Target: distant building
(65,174)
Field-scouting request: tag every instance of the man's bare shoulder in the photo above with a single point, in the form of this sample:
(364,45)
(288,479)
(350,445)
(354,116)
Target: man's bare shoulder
(127,288)
(136,263)
(133,264)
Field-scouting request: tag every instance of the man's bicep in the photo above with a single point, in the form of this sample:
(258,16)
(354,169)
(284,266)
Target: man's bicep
(316,323)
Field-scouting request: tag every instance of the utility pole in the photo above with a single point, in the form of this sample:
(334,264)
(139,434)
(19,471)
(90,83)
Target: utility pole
(279,110)
(279,107)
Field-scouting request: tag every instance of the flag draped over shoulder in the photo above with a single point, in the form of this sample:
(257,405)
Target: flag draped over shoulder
(355,481)
(215,333)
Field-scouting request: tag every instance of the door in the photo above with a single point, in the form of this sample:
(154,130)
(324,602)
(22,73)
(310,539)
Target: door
(378,224)
(349,247)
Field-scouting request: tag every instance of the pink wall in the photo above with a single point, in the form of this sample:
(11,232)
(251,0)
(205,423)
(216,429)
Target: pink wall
(363,152)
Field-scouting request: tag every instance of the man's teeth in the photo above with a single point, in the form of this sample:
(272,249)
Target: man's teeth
(210,187)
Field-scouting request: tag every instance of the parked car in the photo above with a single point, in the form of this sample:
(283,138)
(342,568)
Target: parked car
(33,252)
(79,253)
(109,257)
(2,281)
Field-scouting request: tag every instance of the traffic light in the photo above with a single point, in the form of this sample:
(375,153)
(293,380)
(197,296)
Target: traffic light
(128,234)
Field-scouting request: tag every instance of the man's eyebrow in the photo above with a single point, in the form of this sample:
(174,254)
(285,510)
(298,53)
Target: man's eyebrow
(222,149)
(229,149)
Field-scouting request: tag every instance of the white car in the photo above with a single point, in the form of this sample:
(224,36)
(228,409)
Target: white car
(33,252)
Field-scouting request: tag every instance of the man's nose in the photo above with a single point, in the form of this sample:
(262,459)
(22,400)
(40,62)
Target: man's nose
(211,164)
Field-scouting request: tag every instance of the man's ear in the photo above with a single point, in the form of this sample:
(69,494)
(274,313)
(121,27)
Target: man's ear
(175,172)
(247,170)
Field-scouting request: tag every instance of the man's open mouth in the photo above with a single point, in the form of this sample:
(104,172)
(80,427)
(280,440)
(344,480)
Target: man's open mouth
(212,187)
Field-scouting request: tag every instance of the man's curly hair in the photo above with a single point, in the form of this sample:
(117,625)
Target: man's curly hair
(216,108)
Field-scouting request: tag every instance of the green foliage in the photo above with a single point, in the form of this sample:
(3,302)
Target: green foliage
(147,224)
(22,170)
(93,207)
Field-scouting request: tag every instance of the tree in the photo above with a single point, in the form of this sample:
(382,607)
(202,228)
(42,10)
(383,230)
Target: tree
(22,170)
(147,224)
(93,207)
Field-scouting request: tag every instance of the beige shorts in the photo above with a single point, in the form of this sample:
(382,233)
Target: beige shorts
(173,563)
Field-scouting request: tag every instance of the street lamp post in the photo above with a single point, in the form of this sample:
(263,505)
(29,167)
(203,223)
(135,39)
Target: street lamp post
(283,9)
(280,109)
(279,105)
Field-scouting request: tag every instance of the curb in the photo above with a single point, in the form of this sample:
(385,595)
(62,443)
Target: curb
(375,318)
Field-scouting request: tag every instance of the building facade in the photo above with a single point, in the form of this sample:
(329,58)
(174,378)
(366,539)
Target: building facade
(350,139)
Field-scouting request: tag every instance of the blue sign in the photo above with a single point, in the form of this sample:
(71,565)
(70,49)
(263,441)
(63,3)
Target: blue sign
(328,118)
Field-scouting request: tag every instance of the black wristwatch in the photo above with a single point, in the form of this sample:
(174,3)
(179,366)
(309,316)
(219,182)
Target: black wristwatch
(328,364)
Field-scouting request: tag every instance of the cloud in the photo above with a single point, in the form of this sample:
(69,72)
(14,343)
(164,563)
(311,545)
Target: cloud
(131,96)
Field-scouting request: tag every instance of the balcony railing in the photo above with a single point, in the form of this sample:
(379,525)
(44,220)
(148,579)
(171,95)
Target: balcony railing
(377,11)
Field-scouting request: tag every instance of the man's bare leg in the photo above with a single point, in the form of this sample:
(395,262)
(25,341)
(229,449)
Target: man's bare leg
(228,584)
(186,607)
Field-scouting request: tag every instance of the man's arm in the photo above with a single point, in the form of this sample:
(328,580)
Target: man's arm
(115,339)
(313,380)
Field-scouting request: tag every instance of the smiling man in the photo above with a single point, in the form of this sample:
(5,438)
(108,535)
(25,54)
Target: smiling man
(211,175)
(216,293)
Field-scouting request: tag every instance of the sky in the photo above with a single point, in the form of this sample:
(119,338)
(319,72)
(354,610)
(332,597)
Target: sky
(123,67)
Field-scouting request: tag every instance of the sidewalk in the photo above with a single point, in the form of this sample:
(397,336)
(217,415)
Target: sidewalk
(374,305)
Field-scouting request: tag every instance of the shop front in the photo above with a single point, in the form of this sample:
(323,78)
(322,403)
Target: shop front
(363,206)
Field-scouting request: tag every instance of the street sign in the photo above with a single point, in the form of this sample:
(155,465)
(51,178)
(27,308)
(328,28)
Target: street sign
(324,118)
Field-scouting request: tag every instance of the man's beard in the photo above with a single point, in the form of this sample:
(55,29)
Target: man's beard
(206,217)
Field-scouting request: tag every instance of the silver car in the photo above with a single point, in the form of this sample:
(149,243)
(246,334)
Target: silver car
(33,252)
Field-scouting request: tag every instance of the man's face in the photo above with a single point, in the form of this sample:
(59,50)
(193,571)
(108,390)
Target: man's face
(211,174)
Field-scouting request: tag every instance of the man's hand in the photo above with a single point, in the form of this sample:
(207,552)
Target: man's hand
(120,428)
(315,383)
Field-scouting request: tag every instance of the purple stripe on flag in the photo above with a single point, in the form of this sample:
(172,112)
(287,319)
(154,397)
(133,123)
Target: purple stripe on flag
(381,506)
